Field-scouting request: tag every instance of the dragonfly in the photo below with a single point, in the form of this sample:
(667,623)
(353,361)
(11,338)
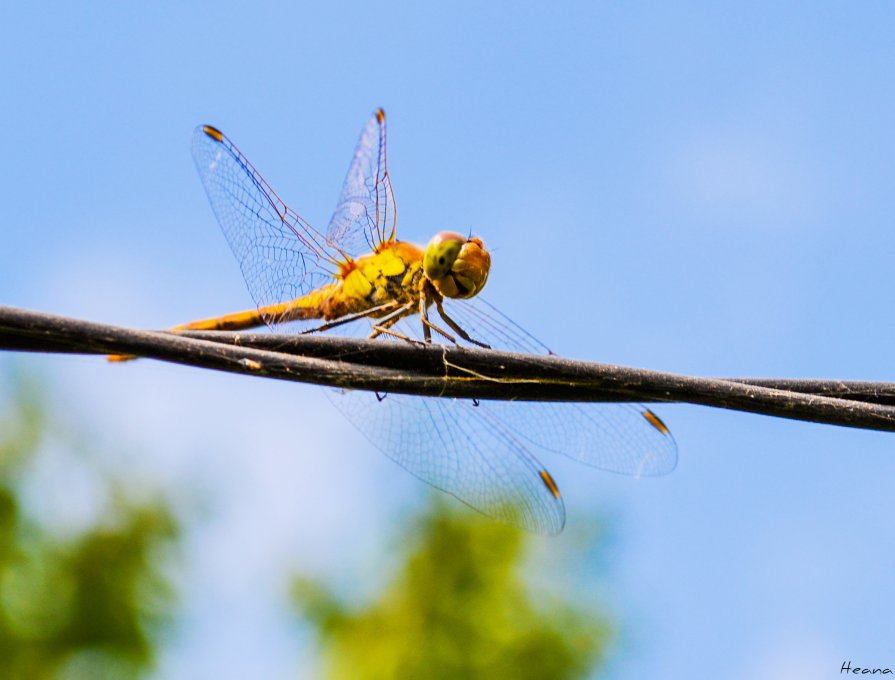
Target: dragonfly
(358,273)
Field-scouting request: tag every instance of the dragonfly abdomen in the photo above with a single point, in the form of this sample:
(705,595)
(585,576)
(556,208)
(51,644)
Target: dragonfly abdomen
(310,306)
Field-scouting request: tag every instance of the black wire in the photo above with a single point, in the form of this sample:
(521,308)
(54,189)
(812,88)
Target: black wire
(438,370)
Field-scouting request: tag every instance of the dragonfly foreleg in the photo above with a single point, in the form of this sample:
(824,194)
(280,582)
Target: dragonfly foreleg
(428,324)
(457,328)
(424,314)
(428,293)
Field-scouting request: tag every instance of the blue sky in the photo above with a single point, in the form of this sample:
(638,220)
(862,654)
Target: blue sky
(695,187)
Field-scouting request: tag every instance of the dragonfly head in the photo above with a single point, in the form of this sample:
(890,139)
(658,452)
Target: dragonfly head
(457,266)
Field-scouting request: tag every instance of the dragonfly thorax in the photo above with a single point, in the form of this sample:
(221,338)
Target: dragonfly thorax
(457,266)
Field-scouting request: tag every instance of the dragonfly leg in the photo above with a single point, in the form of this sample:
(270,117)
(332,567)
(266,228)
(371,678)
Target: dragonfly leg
(384,326)
(453,324)
(427,294)
(399,313)
(385,331)
(388,307)
(428,324)
(424,315)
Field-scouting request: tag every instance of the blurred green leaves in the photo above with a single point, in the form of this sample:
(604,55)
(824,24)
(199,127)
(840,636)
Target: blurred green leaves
(458,607)
(82,605)
(92,602)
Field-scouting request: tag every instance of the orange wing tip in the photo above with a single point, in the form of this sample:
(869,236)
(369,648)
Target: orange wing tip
(380,115)
(116,358)
(213,132)
(656,422)
(549,483)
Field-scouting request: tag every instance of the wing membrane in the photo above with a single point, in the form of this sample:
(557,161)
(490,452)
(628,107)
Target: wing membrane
(365,214)
(462,449)
(626,438)
(280,255)
(482,453)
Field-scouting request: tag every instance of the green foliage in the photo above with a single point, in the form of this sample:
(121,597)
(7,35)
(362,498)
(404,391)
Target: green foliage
(80,606)
(458,607)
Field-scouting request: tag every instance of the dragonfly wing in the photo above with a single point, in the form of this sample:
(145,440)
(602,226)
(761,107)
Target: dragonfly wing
(365,215)
(626,438)
(619,437)
(463,449)
(281,256)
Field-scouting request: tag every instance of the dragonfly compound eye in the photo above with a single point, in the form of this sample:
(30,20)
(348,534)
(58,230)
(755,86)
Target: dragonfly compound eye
(458,267)
(441,253)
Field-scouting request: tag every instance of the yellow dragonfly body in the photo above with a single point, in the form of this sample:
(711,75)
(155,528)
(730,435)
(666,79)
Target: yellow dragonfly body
(386,285)
(359,273)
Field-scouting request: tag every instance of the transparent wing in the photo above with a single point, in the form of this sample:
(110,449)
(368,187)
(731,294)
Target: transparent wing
(281,256)
(462,449)
(482,454)
(365,215)
(627,438)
